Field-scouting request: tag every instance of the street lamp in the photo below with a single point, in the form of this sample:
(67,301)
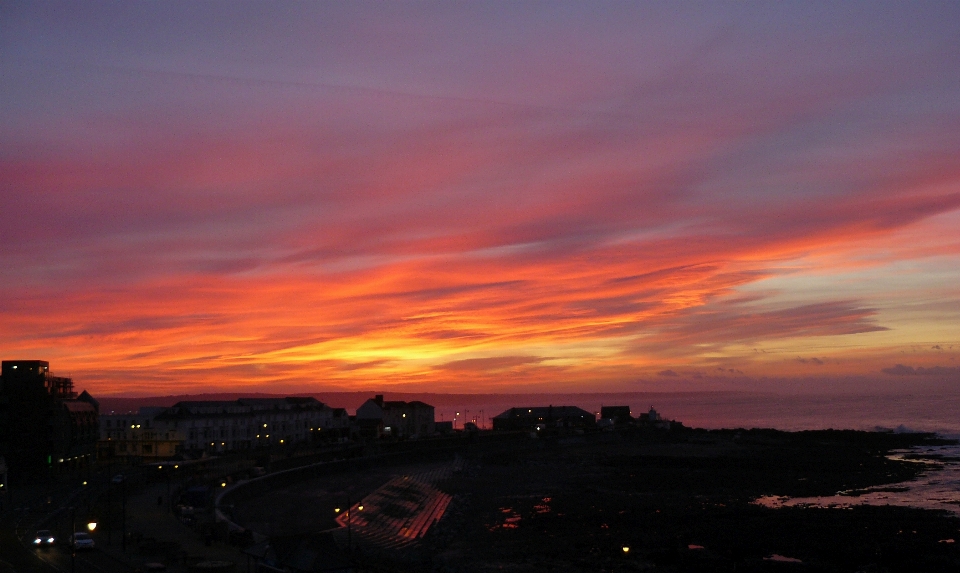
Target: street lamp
(73,539)
(349,524)
(91,526)
(123,517)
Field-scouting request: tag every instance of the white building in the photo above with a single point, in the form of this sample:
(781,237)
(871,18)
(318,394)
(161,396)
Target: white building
(138,435)
(218,426)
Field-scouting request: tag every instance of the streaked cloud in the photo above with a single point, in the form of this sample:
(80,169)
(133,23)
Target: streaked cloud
(944,371)
(472,198)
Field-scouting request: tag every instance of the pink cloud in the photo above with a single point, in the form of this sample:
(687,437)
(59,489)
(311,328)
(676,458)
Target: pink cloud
(315,207)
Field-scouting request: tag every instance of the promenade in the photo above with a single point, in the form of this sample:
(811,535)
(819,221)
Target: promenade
(158,536)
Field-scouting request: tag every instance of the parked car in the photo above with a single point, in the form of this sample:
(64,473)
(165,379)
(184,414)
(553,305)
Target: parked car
(43,537)
(81,540)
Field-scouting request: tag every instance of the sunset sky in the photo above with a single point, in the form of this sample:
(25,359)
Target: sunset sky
(480,197)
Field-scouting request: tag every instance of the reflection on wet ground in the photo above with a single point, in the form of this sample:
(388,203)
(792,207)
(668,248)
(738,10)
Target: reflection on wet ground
(936,488)
(510,518)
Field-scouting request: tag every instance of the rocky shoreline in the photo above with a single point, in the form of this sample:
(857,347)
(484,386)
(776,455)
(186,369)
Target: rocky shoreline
(642,499)
(683,501)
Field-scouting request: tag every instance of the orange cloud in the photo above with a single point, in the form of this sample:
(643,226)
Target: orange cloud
(713,210)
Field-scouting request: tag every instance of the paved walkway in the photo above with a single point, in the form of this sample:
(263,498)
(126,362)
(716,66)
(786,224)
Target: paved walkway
(163,538)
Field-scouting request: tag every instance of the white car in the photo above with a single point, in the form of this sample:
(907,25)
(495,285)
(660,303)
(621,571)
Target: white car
(43,537)
(81,540)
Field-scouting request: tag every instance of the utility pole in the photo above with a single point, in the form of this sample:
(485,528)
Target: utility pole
(109,515)
(169,501)
(349,536)
(349,524)
(123,517)
(73,539)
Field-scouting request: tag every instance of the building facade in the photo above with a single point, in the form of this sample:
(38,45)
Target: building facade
(213,426)
(379,418)
(536,418)
(44,424)
(139,435)
(619,415)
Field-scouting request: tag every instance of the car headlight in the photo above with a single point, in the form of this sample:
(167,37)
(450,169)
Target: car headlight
(50,540)
(37,541)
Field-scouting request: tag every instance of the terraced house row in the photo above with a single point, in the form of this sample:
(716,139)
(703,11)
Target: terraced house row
(216,426)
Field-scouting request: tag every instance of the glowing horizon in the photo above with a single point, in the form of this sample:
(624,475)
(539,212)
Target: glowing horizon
(415,197)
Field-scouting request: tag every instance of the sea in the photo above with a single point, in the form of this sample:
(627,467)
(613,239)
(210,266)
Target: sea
(938,487)
(906,412)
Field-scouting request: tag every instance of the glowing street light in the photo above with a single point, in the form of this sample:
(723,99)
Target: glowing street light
(91,526)
(349,524)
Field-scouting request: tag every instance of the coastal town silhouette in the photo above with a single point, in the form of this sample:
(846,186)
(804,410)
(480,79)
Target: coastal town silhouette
(294,484)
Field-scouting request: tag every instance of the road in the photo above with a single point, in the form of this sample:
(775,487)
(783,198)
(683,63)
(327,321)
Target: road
(58,509)
(17,558)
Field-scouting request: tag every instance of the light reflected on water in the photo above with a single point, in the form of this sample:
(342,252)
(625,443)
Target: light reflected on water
(936,488)
(543,506)
(510,518)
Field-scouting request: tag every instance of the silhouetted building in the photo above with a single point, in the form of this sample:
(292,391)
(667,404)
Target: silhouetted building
(618,414)
(4,484)
(43,423)
(193,427)
(377,417)
(653,419)
(341,426)
(544,417)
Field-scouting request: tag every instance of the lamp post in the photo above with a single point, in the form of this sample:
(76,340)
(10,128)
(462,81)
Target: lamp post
(349,524)
(123,516)
(109,501)
(73,539)
(169,501)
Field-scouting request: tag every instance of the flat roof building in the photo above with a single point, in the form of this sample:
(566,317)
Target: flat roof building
(544,417)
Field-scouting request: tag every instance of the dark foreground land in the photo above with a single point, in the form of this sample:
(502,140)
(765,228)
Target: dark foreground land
(648,500)
(681,501)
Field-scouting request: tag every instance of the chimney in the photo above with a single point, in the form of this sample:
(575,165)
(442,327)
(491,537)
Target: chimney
(379,400)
